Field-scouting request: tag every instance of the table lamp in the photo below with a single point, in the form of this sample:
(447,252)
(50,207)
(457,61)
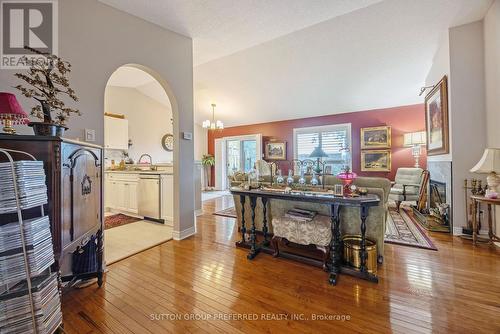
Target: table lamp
(318,153)
(490,164)
(11,112)
(415,140)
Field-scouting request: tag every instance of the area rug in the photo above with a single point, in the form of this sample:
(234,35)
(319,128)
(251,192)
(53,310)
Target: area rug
(402,229)
(118,220)
(229,212)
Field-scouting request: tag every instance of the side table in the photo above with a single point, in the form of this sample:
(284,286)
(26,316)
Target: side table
(490,202)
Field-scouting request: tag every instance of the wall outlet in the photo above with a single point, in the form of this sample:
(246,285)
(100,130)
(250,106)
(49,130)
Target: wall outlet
(89,135)
(187,135)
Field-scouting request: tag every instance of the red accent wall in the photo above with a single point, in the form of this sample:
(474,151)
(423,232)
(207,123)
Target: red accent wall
(401,119)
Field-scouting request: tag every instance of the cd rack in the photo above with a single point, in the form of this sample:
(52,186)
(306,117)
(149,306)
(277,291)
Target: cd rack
(29,292)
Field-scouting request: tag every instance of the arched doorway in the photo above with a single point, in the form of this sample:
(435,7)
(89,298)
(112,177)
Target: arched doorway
(139,162)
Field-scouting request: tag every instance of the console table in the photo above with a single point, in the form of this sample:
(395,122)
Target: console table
(475,226)
(335,267)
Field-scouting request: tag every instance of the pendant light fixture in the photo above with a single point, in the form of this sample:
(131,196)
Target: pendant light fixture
(213,124)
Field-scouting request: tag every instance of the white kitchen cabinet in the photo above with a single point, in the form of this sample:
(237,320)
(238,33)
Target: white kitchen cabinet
(115,133)
(121,192)
(167,198)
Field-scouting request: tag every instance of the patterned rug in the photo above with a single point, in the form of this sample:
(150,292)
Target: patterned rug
(229,212)
(401,228)
(118,220)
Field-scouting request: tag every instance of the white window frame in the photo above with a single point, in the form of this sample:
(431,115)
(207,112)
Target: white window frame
(322,128)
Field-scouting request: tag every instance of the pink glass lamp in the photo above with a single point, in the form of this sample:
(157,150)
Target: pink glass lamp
(11,112)
(347,177)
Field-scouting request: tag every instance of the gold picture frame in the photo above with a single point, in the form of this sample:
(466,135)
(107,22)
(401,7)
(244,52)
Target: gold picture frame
(436,119)
(376,137)
(275,150)
(376,161)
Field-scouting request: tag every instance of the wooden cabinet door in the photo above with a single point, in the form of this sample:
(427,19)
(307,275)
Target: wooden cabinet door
(81,191)
(132,197)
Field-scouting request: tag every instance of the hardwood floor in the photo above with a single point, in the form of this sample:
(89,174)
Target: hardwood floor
(453,290)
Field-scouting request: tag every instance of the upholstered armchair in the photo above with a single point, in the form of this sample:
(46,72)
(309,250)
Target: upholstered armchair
(407,185)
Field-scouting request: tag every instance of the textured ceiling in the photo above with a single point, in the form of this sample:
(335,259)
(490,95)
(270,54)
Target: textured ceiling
(221,27)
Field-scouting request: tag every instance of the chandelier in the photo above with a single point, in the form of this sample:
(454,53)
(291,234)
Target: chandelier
(213,124)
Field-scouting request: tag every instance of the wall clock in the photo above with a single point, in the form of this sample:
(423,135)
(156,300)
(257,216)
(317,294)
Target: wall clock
(168,142)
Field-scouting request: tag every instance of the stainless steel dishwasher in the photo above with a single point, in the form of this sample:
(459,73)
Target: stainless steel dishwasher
(149,197)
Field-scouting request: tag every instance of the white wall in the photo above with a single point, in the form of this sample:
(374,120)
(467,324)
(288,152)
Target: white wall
(98,39)
(441,67)
(148,121)
(468,107)
(200,142)
(492,76)
(461,56)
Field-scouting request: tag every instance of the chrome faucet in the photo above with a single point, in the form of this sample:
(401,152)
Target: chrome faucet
(146,155)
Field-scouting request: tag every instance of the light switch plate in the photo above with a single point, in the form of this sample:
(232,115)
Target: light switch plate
(187,135)
(89,135)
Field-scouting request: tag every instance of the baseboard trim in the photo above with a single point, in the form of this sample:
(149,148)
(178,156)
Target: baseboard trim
(184,234)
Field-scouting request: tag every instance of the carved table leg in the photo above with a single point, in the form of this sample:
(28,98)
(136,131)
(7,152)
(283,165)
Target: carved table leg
(243,228)
(264,221)
(335,260)
(474,222)
(253,238)
(364,253)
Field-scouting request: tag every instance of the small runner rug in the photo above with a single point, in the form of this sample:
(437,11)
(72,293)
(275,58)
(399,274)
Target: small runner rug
(402,229)
(118,220)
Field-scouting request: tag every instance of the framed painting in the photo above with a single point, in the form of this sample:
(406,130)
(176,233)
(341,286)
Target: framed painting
(275,150)
(436,119)
(376,137)
(376,161)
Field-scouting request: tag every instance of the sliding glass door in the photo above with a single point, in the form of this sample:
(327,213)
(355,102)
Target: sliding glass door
(240,155)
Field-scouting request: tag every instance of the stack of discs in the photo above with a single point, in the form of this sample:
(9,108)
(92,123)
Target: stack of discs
(15,310)
(38,245)
(31,186)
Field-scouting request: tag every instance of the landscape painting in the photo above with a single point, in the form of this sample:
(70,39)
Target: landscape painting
(376,161)
(376,137)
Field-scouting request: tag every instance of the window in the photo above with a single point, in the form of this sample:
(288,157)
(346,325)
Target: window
(335,140)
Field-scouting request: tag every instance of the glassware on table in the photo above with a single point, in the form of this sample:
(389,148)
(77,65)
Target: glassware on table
(302,179)
(314,179)
(289,179)
(279,178)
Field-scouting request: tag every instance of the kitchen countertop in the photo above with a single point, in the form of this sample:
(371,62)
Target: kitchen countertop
(148,172)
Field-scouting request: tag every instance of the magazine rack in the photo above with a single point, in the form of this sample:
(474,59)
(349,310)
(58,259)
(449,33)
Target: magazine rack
(29,291)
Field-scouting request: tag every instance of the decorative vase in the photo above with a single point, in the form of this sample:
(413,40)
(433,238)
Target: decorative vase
(289,179)
(279,178)
(347,178)
(302,179)
(43,128)
(314,179)
(60,130)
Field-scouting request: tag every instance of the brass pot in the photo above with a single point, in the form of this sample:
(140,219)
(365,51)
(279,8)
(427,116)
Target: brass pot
(352,252)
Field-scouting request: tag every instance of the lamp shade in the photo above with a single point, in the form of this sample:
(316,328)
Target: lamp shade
(11,110)
(490,162)
(414,138)
(318,153)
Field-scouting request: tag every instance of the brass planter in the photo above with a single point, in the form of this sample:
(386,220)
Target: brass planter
(352,252)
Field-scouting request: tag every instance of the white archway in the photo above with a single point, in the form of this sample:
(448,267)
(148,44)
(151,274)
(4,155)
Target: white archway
(176,154)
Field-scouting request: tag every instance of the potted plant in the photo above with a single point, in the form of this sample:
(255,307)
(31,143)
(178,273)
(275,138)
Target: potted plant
(47,82)
(208,161)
